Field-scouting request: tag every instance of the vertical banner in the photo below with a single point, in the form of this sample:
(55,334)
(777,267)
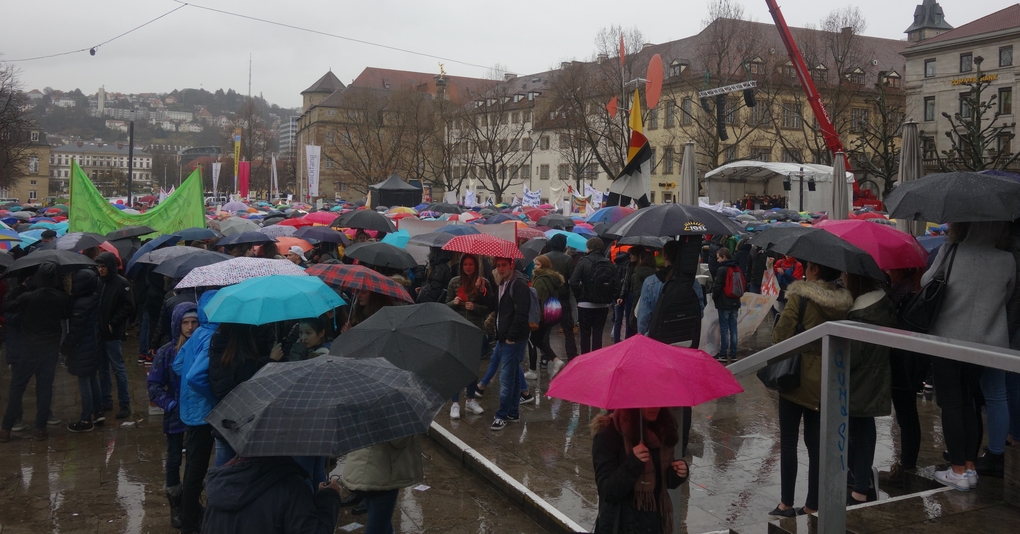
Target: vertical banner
(216,176)
(426,193)
(237,154)
(274,187)
(312,156)
(243,177)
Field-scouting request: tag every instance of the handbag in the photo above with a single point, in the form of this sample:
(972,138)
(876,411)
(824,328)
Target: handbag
(919,312)
(785,375)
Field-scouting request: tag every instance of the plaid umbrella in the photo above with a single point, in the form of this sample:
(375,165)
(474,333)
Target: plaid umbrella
(356,277)
(271,299)
(238,270)
(278,230)
(180,266)
(344,404)
(381,254)
(484,245)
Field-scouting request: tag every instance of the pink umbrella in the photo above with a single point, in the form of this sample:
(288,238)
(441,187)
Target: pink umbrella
(484,245)
(320,217)
(643,373)
(891,248)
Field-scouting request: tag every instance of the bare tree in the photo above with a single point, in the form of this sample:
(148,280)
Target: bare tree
(876,149)
(15,122)
(976,141)
(369,136)
(444,145)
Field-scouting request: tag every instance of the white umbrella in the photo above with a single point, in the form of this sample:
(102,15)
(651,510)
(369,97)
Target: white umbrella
(839,210)
(910,168)
(689,176)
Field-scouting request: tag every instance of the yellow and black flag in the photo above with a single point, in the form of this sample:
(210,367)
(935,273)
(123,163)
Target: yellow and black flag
(632,183)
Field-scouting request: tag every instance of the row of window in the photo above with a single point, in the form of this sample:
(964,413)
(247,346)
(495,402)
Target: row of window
(100,161)
(1005,104)
(523,172)
(967,61)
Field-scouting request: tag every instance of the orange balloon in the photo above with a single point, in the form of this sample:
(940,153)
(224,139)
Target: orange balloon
(653,85)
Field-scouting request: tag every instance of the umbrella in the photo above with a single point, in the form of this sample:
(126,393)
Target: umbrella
(532,248)
(535,214)
(891,248)
(296,223)
(459,229)
(237,225)
(356,277)
(381,255)
(674,219)
(6,260)
(645,241)
(528,233)
(158,256)
(283,244)
(689,187)
(180,266)
(149,246)
(403,209)
(484,245)
(839,208)
(66,261)
(366,220)
(235,206)
(198,234)
(320,217)
(278,230)
(237,270)
(443,207)
(129,231)
(78,241)
(821,247)
(271,299)
(326,406)
(956,197)
(501,218)
(610,214)
(556,221)
(910,167)
(254,238)
(431,340)
(574,241)
(432,239)
(322,234)
(398,239)
(643,373)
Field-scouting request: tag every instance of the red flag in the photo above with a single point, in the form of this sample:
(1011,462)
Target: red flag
(243,174)
(621,50)
(611,108)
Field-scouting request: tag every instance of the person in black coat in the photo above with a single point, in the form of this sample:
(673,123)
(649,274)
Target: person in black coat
(116,307)
(756,273)
(743,255)
(268,495)
(564,264)
(40,307)
(161,330)
(438,278)
(633,472)
(81,346)
(728,307)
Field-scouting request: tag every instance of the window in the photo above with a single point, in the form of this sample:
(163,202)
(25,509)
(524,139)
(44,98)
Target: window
(667,160)
(526,172)
(818,73)
(858,119)
(1006,100)
(32,182)
(1005,144)
(543,143)
(791,116)
(652,160)
(35,135)
(686,106)
(564,140)
(730,153)
(732,105)
(563,172)
(653,119)
(761,114)
(32,194)
(929,108)
(966,62)
(329,164)
(591,172)
(788,70)
(1006,56)
(856,76)
(543,172)
(330,136)
(33,165)
(791,156)
(330,112)
(515,145)
(757,66)
(527,116)
(341,186)
(651,197)
(515,118)
(964,106)
(676,68)
(929,68)
(670,116)
(526,144)
(759,153)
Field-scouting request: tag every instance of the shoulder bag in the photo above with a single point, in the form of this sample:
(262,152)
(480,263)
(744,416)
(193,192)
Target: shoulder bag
(785,375)
(919,312)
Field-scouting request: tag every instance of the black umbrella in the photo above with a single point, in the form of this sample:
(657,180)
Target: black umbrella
(533,247)
(645,241)
(323,234)
(556,221)
(499,219)
(276,219)
(381,255)
(431,340)
(364,219)
(244,238)
(674,219)
(126,246)
(956,197)
(818,246)
(66,260)
(198,234)
(5,259)
(129,231)
(432,239)
(158,256)
(180,266)
(326,406)
(78,241)
(443,207)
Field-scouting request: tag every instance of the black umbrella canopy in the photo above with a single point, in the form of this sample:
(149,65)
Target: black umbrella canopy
(673,219)
(431,340)
(66,261)
(956,197)
(818,246)
(180,266)
(158,256)
(533,247)
(198,234)
(364,219)
(323,234)
(6,260)
(556,221)
(645,241)
(443,207)
(130,231)
(432,239)
(381,255)
(78,241)
(253,238)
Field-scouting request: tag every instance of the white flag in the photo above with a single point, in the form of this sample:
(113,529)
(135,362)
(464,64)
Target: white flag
(275,188)
(162,194)
(469,199)
(216,176)
(312,155)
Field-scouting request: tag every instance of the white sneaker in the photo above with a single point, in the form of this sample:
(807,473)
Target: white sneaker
(972,478)
(953,480)
(455,411)
(472,406)
(530,375)
(555,366)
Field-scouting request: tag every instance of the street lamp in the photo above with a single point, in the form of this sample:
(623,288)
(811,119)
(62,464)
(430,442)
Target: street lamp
(800,175)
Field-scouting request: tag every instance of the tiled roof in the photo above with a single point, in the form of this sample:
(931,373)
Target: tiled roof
(378,78)
(928,15)
(1003,19)
(327,84)
(106,149)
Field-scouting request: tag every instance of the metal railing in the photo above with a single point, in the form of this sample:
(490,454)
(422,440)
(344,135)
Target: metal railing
(835,337)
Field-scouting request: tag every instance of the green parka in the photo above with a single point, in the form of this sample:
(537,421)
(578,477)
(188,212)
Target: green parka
(870,369)
(390,465)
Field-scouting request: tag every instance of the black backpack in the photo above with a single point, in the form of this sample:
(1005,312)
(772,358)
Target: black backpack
(677,313)
(602,286)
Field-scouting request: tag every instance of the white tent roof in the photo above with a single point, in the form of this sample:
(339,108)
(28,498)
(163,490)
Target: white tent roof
(764,170)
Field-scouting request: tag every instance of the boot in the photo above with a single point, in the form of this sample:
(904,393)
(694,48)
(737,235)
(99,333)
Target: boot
(173,495)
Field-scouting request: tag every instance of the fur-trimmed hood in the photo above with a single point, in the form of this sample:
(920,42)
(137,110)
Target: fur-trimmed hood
(825,294)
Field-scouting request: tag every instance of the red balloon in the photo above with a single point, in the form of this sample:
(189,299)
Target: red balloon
(653,85)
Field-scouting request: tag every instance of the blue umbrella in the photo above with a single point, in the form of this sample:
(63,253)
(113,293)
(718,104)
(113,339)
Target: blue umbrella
(270,299)
(584,231)
(44,226)
(498,219)
(458,229)
(195,234)
(149,246)
(574,241)
(931,242)
(397,239)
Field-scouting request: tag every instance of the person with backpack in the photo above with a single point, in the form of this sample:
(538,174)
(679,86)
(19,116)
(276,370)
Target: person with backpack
(596,287)
(727,288)
(547,284)
(512,331)
(564,264)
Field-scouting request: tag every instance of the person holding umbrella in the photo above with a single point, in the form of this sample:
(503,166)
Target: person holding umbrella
(116,307)
(83,349)
(470,296)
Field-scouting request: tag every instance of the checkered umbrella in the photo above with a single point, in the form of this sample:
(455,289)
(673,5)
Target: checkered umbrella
(357,277)
(484,245)
(278,230)
(238,270)
(326,406)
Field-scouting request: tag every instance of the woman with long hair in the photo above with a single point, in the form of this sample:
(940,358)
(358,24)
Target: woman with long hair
(547,283)
(366,303)
(470,296)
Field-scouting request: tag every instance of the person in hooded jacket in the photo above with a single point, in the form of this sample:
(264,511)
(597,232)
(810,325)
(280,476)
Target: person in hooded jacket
(564,264)
(438,278)
(268,494)
(173,297)
(164,387)
(547,283)
(81,346)
(756,273)
(591,316)
(116,307)
(379,472)
(728,307)
(40,307)
(152,290)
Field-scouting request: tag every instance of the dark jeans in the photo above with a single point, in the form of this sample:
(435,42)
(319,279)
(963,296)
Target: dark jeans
(905,404)
(174,456)
(790,414)
(380,505)
(91,403)
(540,343)
(590,324)
(143,332)
(567,324)
(728,332)
(623,327)
(113,359)
(199,448)
(511,378)
(861,452)
(42,366)
(957,388)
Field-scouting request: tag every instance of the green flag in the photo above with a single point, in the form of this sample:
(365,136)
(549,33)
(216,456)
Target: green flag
(91,212)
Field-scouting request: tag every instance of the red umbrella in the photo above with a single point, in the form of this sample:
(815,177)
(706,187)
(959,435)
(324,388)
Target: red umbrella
(891,248)
(355,277)
(398,216)
(535,214)
(869,215)
(643,373)
(528,233)
(484,245)
(296,223)
(320,217)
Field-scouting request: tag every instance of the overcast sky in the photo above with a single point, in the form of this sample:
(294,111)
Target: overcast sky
(198,48)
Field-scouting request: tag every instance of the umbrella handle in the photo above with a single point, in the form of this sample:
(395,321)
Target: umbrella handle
(641,426)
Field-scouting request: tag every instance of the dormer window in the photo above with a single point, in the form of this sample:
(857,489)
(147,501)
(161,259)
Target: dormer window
(676,68)
(818,72)
(892,79)
(757,66)
(856,76)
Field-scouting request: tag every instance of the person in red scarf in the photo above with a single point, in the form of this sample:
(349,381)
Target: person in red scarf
(633,474)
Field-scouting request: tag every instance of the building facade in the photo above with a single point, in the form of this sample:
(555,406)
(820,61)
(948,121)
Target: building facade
(105,164)
(33,185)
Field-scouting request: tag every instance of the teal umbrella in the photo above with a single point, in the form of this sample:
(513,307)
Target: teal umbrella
(269,299)
(575,241)
(398,239)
